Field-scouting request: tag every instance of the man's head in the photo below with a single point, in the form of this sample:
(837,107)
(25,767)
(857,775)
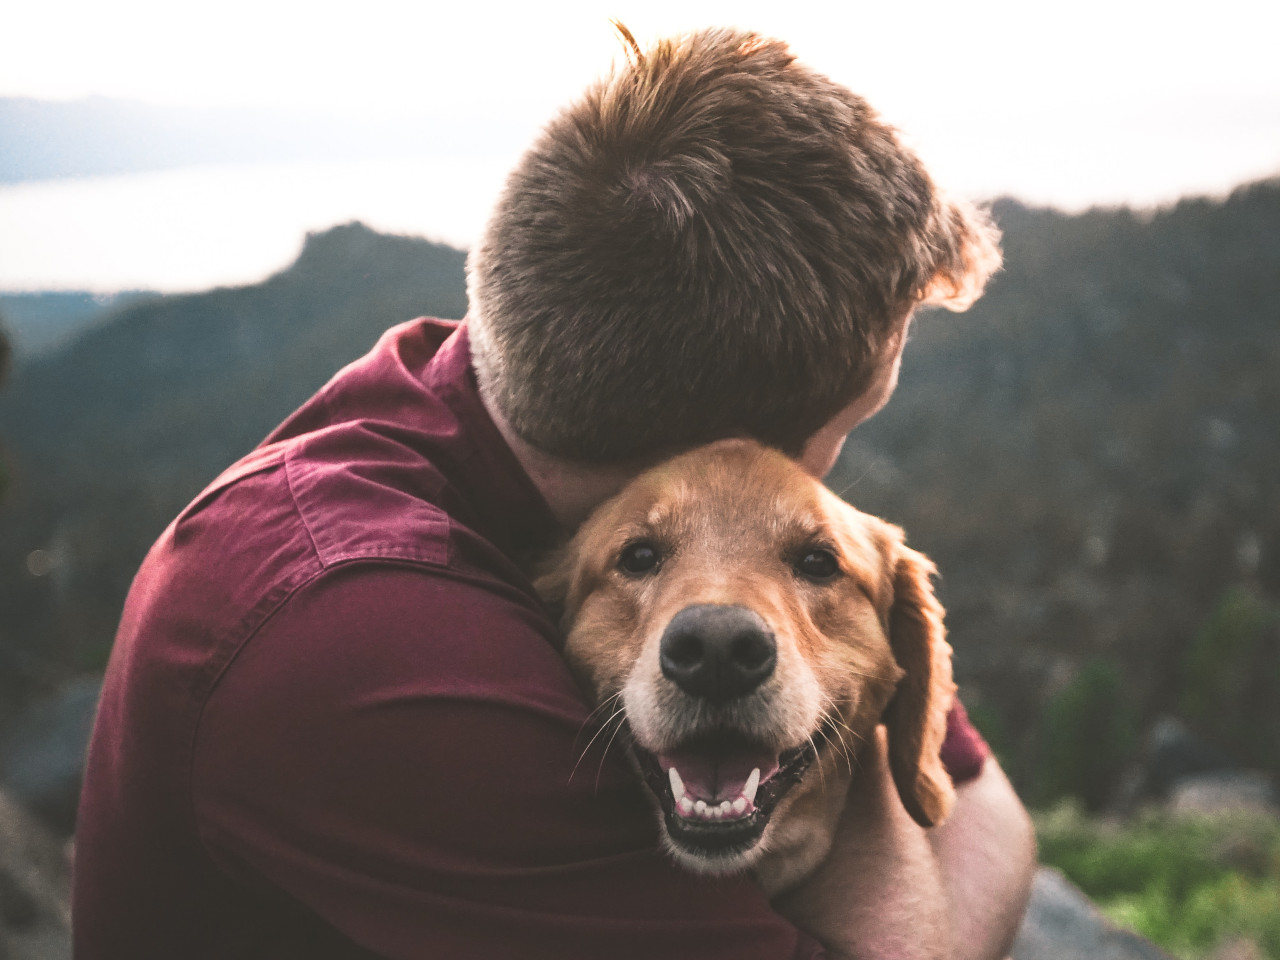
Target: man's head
(713,241)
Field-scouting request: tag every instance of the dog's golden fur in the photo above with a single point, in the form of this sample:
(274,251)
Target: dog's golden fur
(730,524)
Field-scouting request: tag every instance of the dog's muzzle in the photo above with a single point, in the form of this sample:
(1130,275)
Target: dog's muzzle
(719,785)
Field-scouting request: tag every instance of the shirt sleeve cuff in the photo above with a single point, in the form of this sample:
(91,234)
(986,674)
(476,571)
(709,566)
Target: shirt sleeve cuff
(963,751)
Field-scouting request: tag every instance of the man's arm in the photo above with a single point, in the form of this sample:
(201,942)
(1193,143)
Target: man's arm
(893,890)
(394,754)
(986,853)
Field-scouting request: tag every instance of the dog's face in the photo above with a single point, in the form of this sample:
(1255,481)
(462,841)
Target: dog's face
(753,629)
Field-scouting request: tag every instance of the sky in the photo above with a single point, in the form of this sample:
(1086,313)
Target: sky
(1075,104)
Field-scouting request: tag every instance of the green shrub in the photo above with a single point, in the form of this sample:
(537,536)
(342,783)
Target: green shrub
(1231,677)
(990,722)
(1087,732)
(1187,884)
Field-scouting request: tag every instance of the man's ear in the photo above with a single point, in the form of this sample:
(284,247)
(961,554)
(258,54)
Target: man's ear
(965,253)
(916,717)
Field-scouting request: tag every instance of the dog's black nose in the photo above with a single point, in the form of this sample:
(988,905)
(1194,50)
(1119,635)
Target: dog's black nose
(717,653)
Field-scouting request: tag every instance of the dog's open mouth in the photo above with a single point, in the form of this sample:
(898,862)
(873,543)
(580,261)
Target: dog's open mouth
(718,790)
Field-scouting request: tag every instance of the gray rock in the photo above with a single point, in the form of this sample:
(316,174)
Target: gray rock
(1063,924)
(1170,753)
(35,900)
(1228,791)
(42,758)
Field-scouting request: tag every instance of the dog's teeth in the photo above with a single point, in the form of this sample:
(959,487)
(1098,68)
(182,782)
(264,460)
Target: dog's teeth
(677,785)
(752,784)
(715,813)
(726,808)
(700,808)
(685,806)
(740,806)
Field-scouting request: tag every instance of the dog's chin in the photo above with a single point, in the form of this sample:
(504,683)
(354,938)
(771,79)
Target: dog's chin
(730,788)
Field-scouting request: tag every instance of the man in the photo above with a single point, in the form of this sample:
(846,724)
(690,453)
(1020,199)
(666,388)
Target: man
(336,723)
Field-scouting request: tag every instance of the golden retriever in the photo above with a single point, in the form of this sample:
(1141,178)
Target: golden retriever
(748,630)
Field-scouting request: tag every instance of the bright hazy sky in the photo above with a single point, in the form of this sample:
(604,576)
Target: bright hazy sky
(1093,101)
(1073,89)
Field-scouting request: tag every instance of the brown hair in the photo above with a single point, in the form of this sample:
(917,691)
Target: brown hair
(713,241)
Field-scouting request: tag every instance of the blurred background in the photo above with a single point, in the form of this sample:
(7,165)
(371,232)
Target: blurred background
(205,212)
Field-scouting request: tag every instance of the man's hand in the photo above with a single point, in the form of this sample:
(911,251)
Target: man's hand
(891,890)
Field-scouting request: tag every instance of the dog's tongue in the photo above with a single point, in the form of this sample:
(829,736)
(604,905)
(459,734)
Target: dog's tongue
(717,776)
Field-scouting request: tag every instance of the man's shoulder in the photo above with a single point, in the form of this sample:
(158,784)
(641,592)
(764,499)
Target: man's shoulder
(282,517)
(286,516)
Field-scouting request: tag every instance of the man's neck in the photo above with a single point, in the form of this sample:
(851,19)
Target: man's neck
(572,490)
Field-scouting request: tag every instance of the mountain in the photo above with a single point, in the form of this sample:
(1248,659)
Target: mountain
(109,437)
(41,322)
(1090,456)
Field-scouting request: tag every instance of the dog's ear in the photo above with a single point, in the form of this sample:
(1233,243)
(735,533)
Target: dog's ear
(552,581)
(916,717)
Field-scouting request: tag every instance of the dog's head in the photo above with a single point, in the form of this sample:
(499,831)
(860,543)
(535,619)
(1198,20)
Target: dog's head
(747,623)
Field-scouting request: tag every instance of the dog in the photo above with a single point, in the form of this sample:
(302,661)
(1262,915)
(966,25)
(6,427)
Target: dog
(748,631)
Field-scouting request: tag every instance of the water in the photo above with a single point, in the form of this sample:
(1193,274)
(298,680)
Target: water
(197,227)
(193,228)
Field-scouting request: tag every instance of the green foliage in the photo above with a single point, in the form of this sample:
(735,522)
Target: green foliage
(1085,451)
(1088,732)
(1187,884)
(990,722)
(1231,677)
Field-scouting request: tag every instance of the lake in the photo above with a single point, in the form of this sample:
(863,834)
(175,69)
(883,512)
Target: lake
(197,227)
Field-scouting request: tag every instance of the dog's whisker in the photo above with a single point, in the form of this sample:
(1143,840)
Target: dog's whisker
(826,730)
(840,727)
(833,719)
(826,737)
(853,733)
(851,484)
(603,727)
(822,777)
(605,753)
(600,709)
(872,676)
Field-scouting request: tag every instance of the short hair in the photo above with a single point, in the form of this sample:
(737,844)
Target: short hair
(714,241)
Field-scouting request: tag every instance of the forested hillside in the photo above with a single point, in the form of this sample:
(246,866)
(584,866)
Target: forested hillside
(1090,455)
(108,438)
(41,322)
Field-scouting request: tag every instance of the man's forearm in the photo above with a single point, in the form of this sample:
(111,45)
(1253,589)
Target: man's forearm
(986,853)
(890,889)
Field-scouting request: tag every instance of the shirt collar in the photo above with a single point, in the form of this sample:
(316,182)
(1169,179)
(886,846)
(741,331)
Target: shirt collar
(487,474)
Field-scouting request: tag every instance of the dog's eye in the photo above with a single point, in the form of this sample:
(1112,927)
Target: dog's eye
(818,565)
(639,558)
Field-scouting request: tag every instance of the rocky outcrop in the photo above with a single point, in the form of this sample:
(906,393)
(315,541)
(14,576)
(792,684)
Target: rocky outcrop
(1224,792)
(1063,924)
(42,758)
(35,904)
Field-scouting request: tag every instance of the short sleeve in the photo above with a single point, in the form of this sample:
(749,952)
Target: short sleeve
(401,751)
(964,751)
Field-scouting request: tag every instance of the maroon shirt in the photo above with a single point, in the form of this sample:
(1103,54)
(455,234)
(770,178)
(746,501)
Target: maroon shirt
(336,722)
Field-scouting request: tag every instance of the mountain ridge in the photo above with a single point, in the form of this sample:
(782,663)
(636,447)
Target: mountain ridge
(1088,454)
